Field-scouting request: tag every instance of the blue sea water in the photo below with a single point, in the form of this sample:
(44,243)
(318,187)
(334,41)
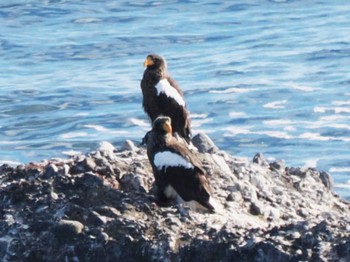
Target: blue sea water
(258,76)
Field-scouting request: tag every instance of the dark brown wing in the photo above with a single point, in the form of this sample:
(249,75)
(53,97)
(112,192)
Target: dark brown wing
(149,102)
(182,149)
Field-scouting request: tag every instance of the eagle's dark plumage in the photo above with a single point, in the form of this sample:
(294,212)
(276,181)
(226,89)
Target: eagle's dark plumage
(163,97)
(178,171)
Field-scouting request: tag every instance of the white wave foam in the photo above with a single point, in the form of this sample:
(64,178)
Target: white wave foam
(199,116)
(315,136)
(71,153)
(340,169)
(333,118)
(97,128)
(236,114)
(232,90)
(337,110)
(122,133)
(140,122)
(302,88)
(341,103)
(289,128)
(10,162)
(74,135)
(338,185)
(277,134)
(199,122)
(232,131)
(276,104)
(340,126)
(319,109)
(82,114)
(9,142)
(278,122)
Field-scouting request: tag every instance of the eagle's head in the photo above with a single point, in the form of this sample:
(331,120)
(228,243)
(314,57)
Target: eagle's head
(162,125)
(154,61)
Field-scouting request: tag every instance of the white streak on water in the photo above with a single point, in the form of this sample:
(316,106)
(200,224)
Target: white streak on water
(315,136)
(82,114)
(9,162)
(277,134)
(139,122)
(193,116)
(301,88)
(97,128)
(71,152)
(290,128)
(337,110)
(199,122)
(74,135)
(232,90)
(277,122)
(341,103)
(340,169)
(233,131)
(236,114)
(276,104)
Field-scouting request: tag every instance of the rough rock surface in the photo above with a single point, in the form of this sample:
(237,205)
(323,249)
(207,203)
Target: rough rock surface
(100,207)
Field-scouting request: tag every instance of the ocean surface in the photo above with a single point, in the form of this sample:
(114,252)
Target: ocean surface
(258,76)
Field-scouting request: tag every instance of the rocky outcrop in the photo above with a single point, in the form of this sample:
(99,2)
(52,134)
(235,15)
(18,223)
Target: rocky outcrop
(100,207)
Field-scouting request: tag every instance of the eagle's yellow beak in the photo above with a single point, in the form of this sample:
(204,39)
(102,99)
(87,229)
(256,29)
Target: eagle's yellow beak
(148,62)
(167,127)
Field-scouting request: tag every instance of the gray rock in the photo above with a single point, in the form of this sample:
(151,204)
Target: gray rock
(327,180)
(204,143)
(51,171)
(106,147)
(65,230)
(257,208)
(100,207)
(260,159)
(96,219)
(279,166)
(129,146)
(132,182)
(89,164)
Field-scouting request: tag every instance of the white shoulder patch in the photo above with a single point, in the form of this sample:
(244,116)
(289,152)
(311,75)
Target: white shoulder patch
(170,159)
(165,87)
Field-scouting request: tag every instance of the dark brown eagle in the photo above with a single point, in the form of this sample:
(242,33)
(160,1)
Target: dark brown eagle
(178,172)
(163,97)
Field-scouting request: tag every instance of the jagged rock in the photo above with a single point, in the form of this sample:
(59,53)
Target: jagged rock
(102,207)
(129,146)
(278,166)
(204,143)
(65,230)
(51,171)
(260,160)
(327,180)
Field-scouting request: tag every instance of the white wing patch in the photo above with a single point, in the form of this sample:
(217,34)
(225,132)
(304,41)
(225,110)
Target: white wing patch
(165,87)
(170,159)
